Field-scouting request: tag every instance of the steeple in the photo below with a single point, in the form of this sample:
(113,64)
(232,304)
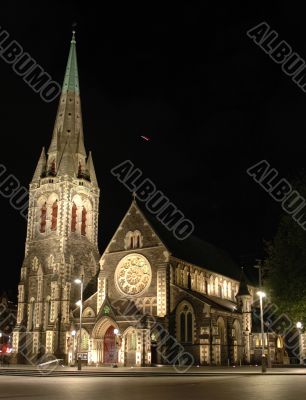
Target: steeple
(71,80)
(67,148)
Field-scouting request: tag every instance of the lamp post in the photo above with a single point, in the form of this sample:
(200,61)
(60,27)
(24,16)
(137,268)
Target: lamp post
(80,304)
(263,357)
(117,333)
(299,327)
(73,333)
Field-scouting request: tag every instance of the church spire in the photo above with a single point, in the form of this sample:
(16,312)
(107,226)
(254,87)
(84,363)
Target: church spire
(71,80)
(67,148)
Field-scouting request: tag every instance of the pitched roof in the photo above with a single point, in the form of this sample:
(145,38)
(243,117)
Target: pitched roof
(194,250)
(213,301)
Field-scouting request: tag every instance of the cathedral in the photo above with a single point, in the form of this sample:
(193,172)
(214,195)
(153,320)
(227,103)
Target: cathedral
(149,299)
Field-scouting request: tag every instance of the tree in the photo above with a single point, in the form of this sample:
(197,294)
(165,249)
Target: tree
(286,266)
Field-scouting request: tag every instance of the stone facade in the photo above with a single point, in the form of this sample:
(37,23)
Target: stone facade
(62,230)
(150,298)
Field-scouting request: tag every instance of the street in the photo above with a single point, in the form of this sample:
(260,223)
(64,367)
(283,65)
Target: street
(244,387)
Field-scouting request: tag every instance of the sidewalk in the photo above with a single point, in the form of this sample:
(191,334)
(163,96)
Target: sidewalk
(150,371)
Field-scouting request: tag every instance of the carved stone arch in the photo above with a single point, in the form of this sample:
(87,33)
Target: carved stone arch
(75,213)
(52,197)
(52,211)
(77,199)
(41,214)
(88,312)
(138,239)
(87,218)
(130,343)
(102,326)
(128,240)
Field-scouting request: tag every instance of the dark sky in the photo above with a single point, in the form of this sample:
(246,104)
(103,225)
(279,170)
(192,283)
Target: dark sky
(212,102)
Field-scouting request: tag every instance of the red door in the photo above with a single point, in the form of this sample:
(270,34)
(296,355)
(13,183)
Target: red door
(110,351)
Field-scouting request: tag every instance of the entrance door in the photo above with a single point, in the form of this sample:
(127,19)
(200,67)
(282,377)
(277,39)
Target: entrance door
(110,351)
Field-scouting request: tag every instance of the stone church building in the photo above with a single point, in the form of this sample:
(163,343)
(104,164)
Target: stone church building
(149,299)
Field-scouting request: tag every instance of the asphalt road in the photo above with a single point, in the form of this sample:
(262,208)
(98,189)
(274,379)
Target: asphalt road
(158,388)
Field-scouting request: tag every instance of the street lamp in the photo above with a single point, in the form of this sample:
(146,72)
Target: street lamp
(73,333)
(299,327)
(80,304)
(261,295)
(117,334)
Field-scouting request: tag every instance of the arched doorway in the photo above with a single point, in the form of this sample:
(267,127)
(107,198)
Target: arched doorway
(105,344)
(110,351)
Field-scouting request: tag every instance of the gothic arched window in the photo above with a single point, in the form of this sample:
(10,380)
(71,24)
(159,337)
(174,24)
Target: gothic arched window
(74,217)
(183,327)
(137,241)
(43,218)
(54,216)
(83,226)
(189,327)
(185,321)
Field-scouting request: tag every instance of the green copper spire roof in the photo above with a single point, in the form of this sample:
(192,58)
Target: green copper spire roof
(67,153)
(71,80)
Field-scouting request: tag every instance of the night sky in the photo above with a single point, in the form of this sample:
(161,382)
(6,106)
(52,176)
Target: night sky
(212,102)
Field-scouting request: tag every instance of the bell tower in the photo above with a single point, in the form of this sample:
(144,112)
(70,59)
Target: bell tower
(61,243)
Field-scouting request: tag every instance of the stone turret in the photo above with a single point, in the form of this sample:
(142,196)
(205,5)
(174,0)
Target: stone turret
(244,304)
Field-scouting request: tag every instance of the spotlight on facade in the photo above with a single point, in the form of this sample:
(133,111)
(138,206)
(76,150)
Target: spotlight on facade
(78,303)
(73,333)
(77,281)
(299,325)
(116,331)
(261,294)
